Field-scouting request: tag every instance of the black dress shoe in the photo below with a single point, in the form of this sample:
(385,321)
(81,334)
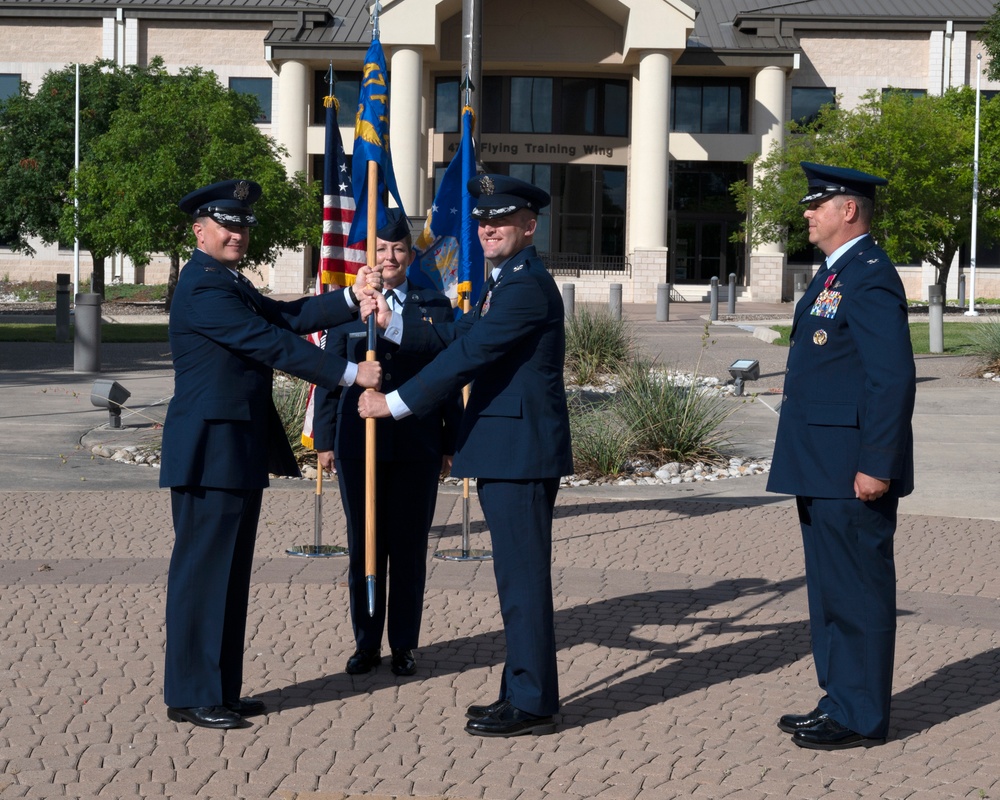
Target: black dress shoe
(403,662)
(478,712)
(245,706)
(363,661)
(506,720)
(790,723)
(207,717)
(831,735)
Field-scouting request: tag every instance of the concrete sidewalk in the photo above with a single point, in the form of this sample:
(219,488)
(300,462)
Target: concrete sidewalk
(680,613)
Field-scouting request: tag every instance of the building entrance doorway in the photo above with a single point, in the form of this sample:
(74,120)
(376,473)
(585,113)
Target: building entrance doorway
(700,250)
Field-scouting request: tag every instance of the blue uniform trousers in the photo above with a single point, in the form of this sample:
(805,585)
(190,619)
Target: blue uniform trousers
(405,496)
(207,595)
(519,516)
(851,587)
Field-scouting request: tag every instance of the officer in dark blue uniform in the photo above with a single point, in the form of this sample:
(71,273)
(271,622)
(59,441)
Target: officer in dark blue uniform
(844,447)
(221,438)
(514,436)
(409,461)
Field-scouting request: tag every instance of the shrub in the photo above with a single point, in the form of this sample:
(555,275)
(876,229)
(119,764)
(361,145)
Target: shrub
(291,395)
(596,343)
(669,421)
(602,446)
(986,346)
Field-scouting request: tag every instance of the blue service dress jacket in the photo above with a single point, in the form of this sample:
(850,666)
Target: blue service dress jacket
(222,429)
(850,383)
(512,348)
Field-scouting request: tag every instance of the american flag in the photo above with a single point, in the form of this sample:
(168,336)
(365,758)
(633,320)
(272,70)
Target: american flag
(338,261)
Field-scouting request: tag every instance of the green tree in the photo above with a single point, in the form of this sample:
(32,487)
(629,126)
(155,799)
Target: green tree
(923,145)
(989,35)
(37,149)
(187,131)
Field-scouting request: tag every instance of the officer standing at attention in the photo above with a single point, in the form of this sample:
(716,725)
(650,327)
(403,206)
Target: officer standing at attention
(410,457)
(221,438)
(514,436)
(844,447)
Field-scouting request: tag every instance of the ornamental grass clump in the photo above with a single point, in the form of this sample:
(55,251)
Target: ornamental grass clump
(596,344)
(602,445)
(986,346)
(291,396)
(671,421)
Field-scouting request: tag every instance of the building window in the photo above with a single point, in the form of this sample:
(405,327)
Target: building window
(807,101)
(346,90)
(531,105)
(890,90)
(524,104)
(447,111)
(10,85)
(703,105)
(259,88)
(587,214)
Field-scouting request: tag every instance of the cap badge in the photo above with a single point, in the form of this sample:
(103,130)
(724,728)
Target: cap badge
(486,185)
(241,190)
(820,337)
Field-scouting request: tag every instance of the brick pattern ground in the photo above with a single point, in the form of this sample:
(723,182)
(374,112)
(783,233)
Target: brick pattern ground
(682,635)
(680,613)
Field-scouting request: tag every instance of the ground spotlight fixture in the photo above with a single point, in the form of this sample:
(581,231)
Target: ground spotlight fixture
(743,370)
(110,395)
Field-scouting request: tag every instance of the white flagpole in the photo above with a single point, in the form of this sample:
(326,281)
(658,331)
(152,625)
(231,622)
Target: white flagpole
(76,199)
(975,198)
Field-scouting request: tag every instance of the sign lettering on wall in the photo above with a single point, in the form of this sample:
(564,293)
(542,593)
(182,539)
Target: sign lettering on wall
(539,149)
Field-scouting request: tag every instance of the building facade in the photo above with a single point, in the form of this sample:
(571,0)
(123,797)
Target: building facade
(636,115)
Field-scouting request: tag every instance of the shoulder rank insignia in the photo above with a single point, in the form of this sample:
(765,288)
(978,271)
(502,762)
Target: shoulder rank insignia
(518,268)
(873,260)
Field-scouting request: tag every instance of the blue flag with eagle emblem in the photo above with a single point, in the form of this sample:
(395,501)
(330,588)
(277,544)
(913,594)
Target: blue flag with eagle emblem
(449,253)
(371,142)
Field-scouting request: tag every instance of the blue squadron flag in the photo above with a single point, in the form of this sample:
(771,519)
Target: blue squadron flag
(371,141)
(449,253)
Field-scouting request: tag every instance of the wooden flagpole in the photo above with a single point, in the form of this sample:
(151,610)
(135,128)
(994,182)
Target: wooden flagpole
(370,560)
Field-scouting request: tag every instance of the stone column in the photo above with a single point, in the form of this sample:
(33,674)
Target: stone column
(766,278)
(405,125)
(648,165)
(293,113)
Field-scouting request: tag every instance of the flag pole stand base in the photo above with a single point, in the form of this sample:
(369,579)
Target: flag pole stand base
(459,554)
(317,550)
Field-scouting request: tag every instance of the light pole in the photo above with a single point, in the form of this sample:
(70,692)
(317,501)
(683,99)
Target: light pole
(975,197)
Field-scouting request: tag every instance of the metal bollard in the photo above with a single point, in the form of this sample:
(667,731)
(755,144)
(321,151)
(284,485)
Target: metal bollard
(713,296)
(569,299)
(615,301)
(800,287)
(663,302)
(62,307)
(87,338)
(731,307)
(961,290)
(935,311)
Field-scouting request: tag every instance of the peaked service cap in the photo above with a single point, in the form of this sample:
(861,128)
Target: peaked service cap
(827,181)
(227,202)
(500,195)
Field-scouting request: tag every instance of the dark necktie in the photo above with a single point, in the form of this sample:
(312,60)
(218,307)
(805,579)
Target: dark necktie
(391,299)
